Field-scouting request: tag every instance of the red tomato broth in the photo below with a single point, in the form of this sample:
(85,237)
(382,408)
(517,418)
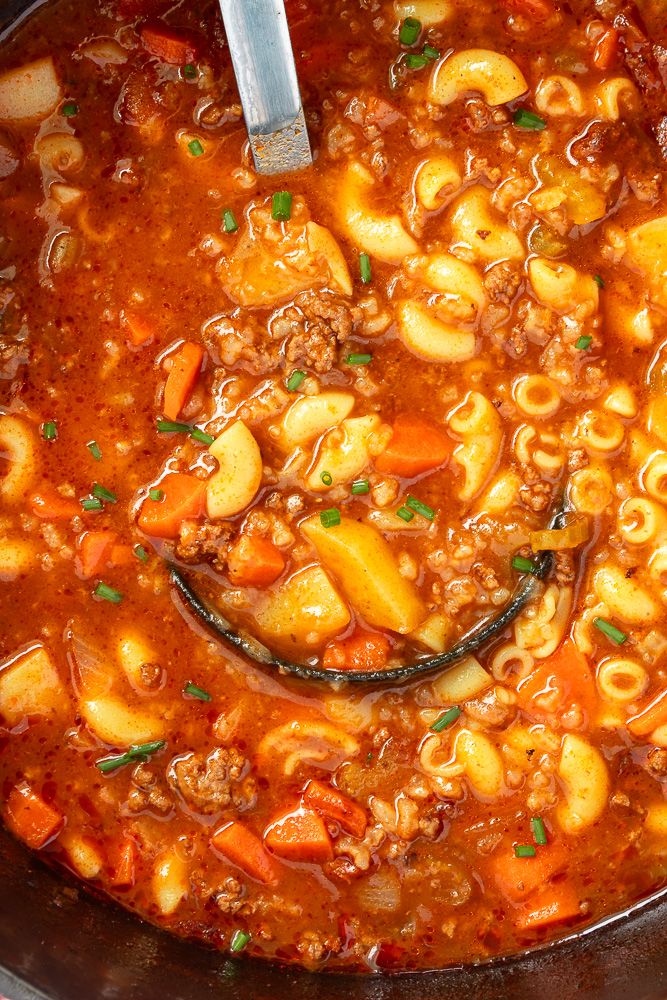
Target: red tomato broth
(406,867)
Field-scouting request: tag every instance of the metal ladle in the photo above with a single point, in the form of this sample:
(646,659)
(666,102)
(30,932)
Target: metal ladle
(263,61)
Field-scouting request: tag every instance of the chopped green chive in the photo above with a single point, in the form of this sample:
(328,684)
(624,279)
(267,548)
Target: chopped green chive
(156,495)
(404,514)
(170,427)
(173,427)
(49,430)
(196,692)
(108,593)
(525,851)
(94,450)
(92,503)
(330,518)
(239,941)
(610,631)
(295,380)
(446,719)
(361,486)
(229,222)
(202,436)
(189,72)
(359,359)
(598,281)
(583,343)
(140,553)
(141,751)
(196,147)
(414,61)
(529,120)
(420,508)
(539,833)
(430,52)
(326,478)
(369,756)
(104,494)
(410,31)
(523,565)
(365,267)
(282,206)
(70,109)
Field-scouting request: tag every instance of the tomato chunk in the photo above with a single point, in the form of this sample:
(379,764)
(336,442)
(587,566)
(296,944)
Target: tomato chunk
(336,806)
(606,49)
(94,546)
(170,45)
(300,835)
(29,817)
(416,447)
(243,848)
(123,874)
(254,562)
(183,497)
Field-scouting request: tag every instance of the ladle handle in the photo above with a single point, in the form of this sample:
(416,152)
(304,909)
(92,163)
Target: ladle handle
(263,61)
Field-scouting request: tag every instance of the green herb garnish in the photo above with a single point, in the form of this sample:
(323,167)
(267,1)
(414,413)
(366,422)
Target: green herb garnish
(156,495)
(359,359)
(104,494)
(330,518)
(410,31)
(70,109)
(610,631)
(282,206)
(529,120)
(196,692)
(404,514)
(295,380)
(229,222)
(196,147)
(140,553)
(583,343)
(446,719)
(108,593)
(92,503)
(239,941)
(326,478)
(365,267)
(525,851)
(420,508)
(49,430)
(361,486)
(539,833)
(94,450)
(141,751)
(523,565)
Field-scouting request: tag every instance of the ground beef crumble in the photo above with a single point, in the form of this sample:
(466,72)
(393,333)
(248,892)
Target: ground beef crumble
(147,793)
(312,327)
(203,542)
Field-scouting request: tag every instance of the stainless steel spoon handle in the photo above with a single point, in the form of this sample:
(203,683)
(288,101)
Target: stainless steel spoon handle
(265,71)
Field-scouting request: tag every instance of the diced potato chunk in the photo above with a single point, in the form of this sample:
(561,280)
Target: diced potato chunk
(361,560)
(30,685)
(306,605)
(119,724)
(29,92)
(170,882)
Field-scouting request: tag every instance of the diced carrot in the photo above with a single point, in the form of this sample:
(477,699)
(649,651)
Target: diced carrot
(606,49)
(170,45)
(139,328)
(537,10)
(94,546)
(550,905)
(253,561)
(563,678)
(181,378)
(53,507)
(360,651)
(337,807)
(242,848)
(517,877)
(183,497)
(299,835)
(29,817)
(416,447)
(124,870)
(654,715)
(122,555)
